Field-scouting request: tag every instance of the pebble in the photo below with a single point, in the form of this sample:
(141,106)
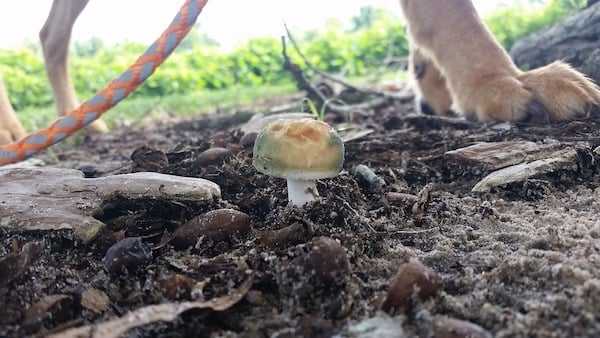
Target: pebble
(128,253)
(445,327)
(368,179)
(409,276)
(401,199)
(293,234)
(212,156)
(327,260)
(216,225)
(247,141)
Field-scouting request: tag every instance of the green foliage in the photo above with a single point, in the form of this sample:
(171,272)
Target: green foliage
(25,77)
(318,114)
(511,22)
(198,65)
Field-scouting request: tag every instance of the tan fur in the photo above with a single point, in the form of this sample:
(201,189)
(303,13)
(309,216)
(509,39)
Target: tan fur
(480,76)
(10,128)
(432,94)
(54,36)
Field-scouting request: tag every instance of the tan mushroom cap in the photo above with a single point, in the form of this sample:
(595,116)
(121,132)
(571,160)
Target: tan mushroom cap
(299,149)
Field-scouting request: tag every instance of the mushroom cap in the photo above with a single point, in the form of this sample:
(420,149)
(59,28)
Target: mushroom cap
(302,149)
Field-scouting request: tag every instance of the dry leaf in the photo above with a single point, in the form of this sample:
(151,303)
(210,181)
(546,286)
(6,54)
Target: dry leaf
(94,300)
(155,313)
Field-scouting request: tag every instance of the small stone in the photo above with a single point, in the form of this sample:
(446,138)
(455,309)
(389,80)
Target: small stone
(327,260)
(381,326)
(368,179)
(216,225)
(401,199)
(247,140)
(293,234)
(213,156)
(444,327)
(412,277)
(128,253)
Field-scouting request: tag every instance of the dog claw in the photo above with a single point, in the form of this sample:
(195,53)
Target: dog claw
(419,70)
(426,108)
(535,113)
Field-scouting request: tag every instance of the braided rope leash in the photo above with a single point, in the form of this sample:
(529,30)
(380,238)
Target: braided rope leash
(118,89)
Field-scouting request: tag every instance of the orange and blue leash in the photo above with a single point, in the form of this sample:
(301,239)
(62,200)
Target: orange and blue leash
(118,89)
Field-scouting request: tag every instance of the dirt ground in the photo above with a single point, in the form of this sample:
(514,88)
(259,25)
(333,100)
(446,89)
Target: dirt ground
(520,261)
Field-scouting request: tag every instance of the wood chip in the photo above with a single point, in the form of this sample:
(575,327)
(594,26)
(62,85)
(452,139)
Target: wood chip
(94,300)
(53,198)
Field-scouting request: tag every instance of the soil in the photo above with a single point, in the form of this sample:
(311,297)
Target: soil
(520,261)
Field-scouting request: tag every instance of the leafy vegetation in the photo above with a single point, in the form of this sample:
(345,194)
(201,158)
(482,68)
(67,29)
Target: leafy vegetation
(354,49)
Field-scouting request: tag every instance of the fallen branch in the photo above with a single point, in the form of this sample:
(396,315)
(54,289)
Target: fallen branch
(317,97)
(331,77)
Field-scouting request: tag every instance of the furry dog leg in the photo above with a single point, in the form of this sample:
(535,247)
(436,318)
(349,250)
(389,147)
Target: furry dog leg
(482,79)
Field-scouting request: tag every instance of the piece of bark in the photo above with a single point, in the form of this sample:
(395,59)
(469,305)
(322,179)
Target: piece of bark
(52,198)
(563,160)
(575,40)
(488,156)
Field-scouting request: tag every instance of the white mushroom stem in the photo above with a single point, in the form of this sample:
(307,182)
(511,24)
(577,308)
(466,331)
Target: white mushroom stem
(301,192)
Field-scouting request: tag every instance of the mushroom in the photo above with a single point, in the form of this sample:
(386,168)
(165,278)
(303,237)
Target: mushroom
(301,151)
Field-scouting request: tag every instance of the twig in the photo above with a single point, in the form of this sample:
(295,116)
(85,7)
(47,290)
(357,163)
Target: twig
(317,97)
(333,78)
(364,221)
(301,80)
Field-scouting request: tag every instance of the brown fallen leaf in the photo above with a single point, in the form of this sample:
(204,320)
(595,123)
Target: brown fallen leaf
(94,300)
(58,308)
(423,197)
(14,264)
(155,313)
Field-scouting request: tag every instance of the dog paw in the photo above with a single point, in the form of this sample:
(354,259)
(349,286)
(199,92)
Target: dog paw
(432,96)
(563,91)
(11,131)
(552,93)
(96,127)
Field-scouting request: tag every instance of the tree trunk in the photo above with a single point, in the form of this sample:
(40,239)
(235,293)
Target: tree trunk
(575,40)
